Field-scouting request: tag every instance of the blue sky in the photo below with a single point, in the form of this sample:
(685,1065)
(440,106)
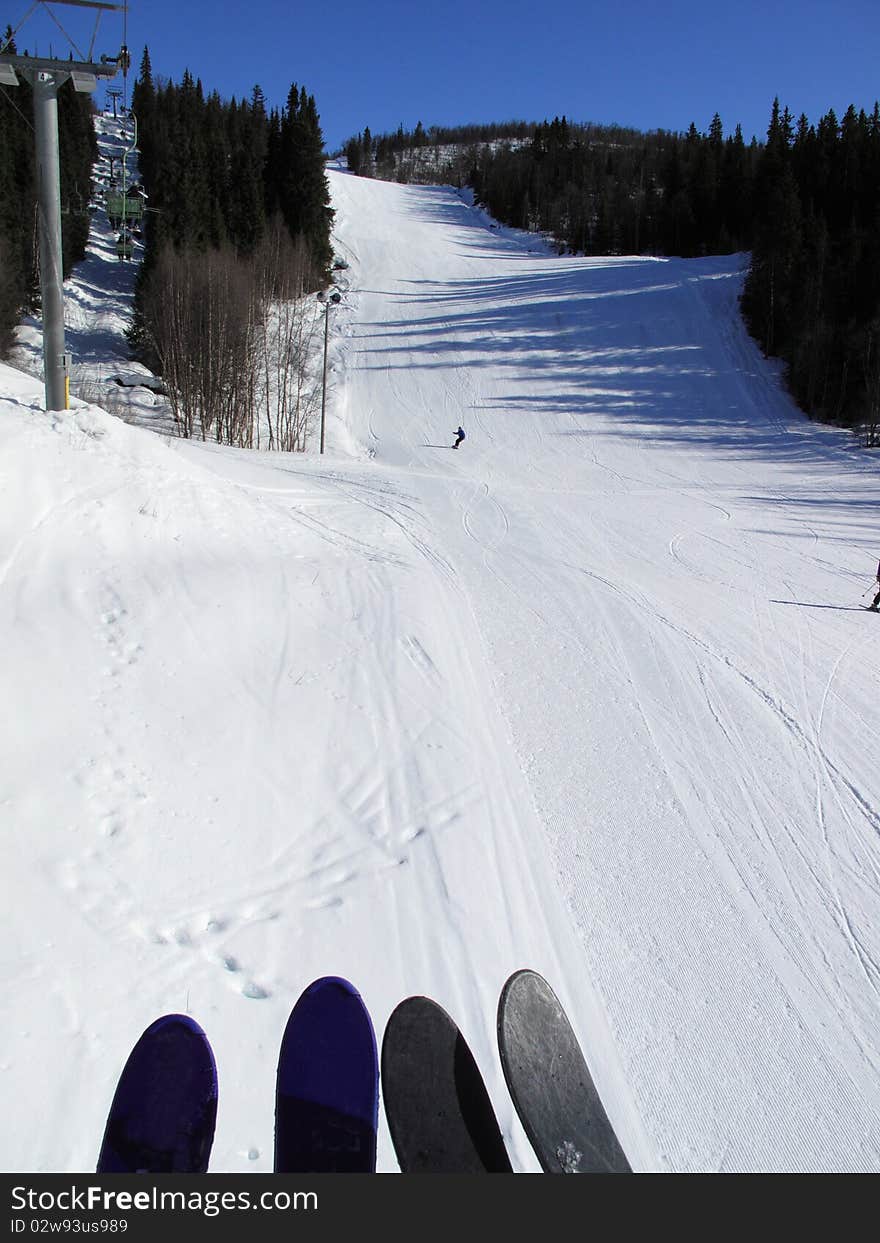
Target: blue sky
(648,65)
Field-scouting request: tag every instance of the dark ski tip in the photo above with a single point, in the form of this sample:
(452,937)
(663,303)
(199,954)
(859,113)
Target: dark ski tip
(165,1106)
(438,1109)
(550,1084)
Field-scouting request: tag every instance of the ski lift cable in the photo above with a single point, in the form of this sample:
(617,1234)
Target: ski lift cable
(67,36)
(98,17)
(29,13)
(8,97)
(125,63)
(125,59)
(3,47)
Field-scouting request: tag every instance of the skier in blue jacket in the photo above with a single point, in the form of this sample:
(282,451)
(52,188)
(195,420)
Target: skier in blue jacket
(875,603)
(459,437)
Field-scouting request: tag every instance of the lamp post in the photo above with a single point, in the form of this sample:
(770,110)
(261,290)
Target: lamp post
(332,300)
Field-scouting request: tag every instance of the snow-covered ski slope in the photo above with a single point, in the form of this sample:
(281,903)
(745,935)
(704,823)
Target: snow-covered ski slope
(593,694)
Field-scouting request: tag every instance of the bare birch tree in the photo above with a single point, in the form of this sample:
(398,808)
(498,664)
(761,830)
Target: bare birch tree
(237,340)
(288,340)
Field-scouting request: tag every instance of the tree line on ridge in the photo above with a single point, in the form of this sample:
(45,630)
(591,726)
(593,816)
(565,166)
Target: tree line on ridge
(805,203)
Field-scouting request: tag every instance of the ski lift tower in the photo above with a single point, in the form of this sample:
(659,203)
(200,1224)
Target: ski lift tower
(46,76)
(114,94)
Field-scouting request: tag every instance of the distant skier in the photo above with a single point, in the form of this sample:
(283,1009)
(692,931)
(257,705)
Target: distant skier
(459,437)
(875,603)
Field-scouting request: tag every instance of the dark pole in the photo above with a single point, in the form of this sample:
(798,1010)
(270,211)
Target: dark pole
(55,361)
(324,382)
(334,298)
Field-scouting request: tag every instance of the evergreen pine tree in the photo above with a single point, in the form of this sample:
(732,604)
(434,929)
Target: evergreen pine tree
(304,192)
(17,204)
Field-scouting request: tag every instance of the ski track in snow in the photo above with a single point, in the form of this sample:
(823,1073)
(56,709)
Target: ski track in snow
(586,695)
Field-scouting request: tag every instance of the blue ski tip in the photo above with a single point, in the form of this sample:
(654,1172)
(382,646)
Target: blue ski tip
(164,1110)
(327,1095)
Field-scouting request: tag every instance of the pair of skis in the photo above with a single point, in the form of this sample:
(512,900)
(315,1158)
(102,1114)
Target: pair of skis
(327,1092)
(163,1113)
(439,1113)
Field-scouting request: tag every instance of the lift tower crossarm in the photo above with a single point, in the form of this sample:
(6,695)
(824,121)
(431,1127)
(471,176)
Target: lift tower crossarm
(39,64)
(93,4)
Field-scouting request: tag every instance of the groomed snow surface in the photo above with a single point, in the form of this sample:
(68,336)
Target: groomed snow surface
(594,694)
